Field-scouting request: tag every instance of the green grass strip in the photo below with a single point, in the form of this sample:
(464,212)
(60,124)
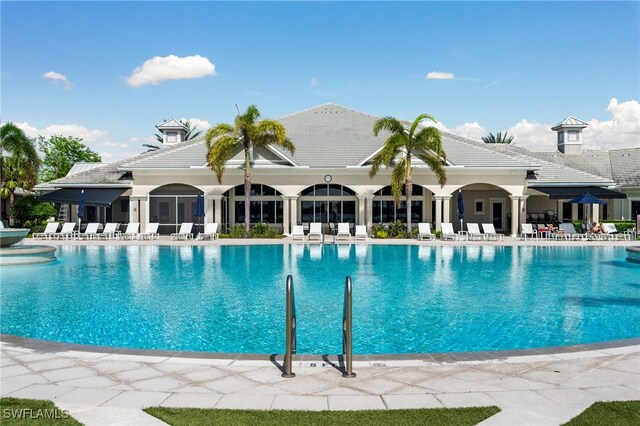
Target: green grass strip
(431,417)
(619,413)
(33,412)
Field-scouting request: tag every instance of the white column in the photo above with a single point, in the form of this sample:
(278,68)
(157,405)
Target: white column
(361,210)
(216,215)
(574,211)
(369,212)
(438,212)
(559,210)
(293,204)
(426,207)
(515,216)
(446,209)
(523,208)
(595,212)
(286,225)
(232,206)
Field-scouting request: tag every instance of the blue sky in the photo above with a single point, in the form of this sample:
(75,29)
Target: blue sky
(514,66)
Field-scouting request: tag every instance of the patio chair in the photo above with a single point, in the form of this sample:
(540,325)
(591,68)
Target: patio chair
(447,232)
(632,233)
(424,231)
(151,232)
(474,232)
(612,232)
(110,231)
(527,229)
(184,233)
(131,232)
(48,232)
(297,232)
(567,231)
(490,232)
(361,232)
(66,232)
(90,232)
(343,232)
(315,232)
(210,232)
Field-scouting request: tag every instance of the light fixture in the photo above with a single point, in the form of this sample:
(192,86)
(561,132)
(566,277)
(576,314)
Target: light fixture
(327,178)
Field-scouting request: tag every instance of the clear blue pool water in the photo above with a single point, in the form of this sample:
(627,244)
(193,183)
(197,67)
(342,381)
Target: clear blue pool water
(407,299)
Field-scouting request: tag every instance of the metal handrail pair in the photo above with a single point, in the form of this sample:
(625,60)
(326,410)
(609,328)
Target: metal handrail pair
(347,345)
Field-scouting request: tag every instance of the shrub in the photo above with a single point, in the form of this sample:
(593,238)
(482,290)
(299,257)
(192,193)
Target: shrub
(236,231)
(381,234)
(32,214)
(398,229)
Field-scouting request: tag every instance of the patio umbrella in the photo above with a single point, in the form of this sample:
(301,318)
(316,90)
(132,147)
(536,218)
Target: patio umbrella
(80,208)
(198,209)
(460,209)
(585,199)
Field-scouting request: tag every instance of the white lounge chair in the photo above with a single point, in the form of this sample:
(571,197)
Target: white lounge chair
(184,233)
(131,232)
(210,232)
(612,232)
(474,232)
(90,232)
(361,232)
(566,231)
(343,232)
(66,232)
(297,232)
(49,231)
(152,232)
(490,232)
(447,232)
(110,231)
(315,232)
(527,229)
(424,231)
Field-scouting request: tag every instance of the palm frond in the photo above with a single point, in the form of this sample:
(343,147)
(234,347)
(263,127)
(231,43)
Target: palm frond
(429,139)
(216,131)
(436,166)
(417,122)
(219,153)
(150,147)
(390,150)
(398,178)
(390,124)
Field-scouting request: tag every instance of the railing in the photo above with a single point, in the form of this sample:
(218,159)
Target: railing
(290,330)
(347,346)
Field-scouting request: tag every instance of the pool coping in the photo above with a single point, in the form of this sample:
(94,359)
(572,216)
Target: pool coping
(438,357)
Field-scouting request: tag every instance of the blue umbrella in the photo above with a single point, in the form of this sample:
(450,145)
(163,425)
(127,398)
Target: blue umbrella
(81,205)
(198,209)
(460,208)
(587,199)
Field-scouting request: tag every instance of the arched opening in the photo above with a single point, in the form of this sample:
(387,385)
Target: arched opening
(483,203)
(328,203)
(171,205)
(265,205)
(386,209)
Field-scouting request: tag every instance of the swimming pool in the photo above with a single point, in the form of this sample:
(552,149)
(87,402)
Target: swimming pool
(406,299)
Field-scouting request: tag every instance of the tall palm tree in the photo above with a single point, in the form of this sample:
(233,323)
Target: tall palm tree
(224,140)
(191,134)
(20,168)
(402,145)
(498,138)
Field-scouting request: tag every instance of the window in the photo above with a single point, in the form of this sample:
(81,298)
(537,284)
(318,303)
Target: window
(172,137)
(572,137)
(478,206)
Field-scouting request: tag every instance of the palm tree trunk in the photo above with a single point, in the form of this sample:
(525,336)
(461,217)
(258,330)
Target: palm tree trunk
(408,189)
(11,201)
(247,189)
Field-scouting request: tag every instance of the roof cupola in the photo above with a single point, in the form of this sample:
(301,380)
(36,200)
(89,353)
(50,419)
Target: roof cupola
(173,132)
(570,135)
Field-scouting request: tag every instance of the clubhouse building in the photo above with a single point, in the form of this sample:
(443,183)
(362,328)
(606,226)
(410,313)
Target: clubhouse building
(327,180)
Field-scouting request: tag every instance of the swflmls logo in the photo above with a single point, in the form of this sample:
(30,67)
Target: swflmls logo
(29,413)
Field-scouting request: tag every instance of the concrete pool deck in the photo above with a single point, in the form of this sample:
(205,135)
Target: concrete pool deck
(108,386)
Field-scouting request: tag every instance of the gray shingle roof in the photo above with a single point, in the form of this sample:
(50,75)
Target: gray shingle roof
(180,155)
(570,122)
(625,166)
(468,153)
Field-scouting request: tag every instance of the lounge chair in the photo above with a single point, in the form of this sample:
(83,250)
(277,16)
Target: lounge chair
(110,231)
(612,232)
(315,232)
(424,231)
(343,232)
(66,232)
(447,232)
(151,232)
(131,232)
(90,232)
(474,232)
(184,233)
(210,232)
(566,231)
(361,232)
(49,231)
(490,232)
(297,232)
(527,229)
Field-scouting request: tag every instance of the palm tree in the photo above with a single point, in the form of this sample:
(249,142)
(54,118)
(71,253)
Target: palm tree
(20,168)
(191,134)
(224,140)
(424,143)
(498,138)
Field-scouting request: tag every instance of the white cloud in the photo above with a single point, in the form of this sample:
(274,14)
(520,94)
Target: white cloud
(314,82)
(202,125)
(134,140)
(114,144)
(29,131)
(473,131)
(439,75)
(57,77)
(75,130)
(533,136)
(171,67)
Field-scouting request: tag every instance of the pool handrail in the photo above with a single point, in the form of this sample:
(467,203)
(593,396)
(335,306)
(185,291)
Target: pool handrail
(290,329)
(347,328)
